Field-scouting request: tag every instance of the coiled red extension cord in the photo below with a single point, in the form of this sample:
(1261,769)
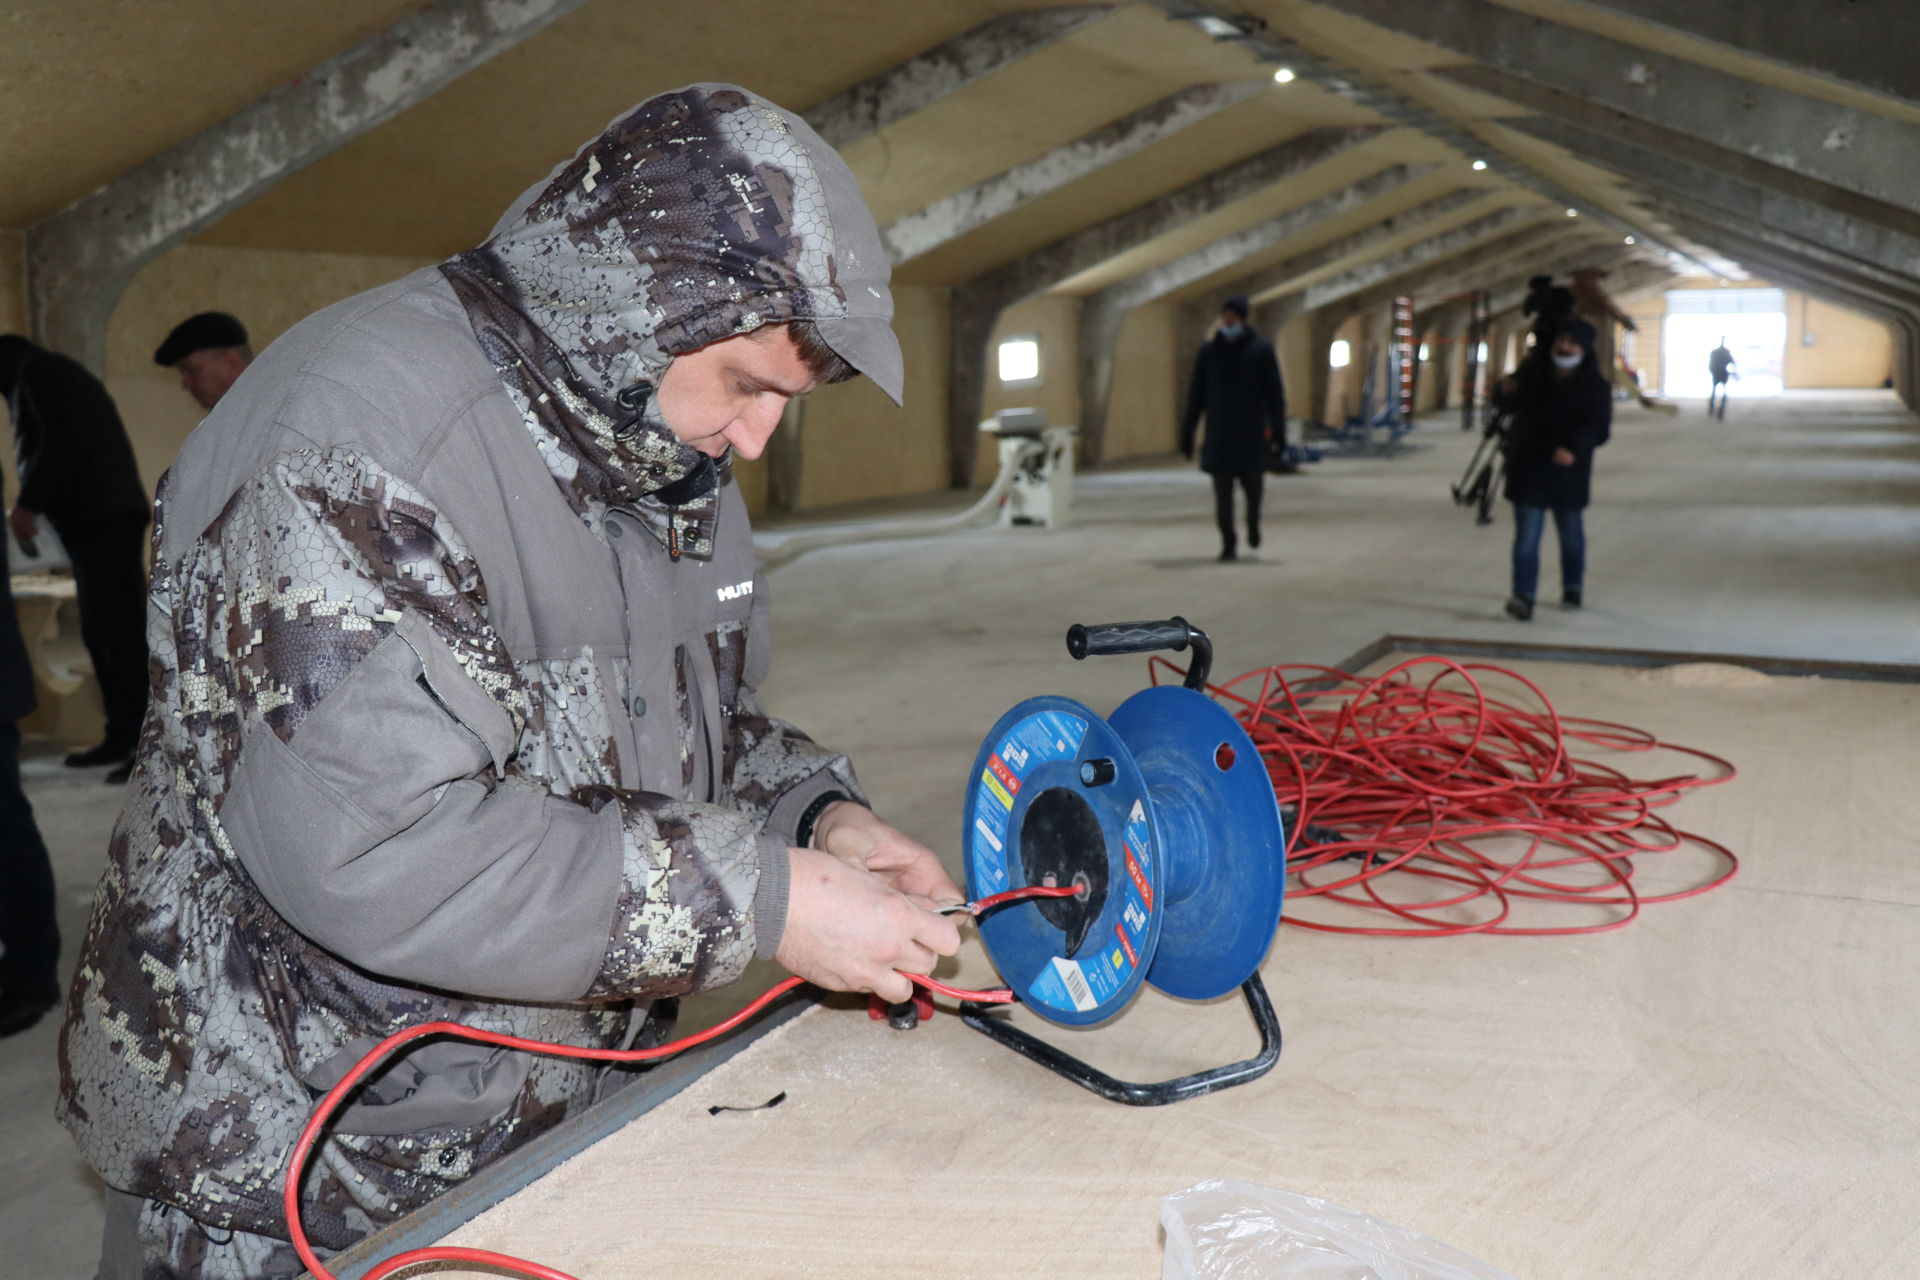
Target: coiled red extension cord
(324,1109)
(1407,777)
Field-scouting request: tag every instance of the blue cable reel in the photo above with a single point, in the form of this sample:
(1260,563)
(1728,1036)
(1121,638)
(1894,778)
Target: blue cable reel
(1164,816)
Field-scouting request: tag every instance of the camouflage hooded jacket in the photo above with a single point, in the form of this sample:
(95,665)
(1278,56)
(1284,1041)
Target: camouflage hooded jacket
(455,650)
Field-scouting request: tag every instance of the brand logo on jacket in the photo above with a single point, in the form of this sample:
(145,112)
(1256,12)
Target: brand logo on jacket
(735,591)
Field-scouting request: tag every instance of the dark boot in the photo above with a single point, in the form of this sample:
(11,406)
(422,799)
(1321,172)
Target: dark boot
(1570,599)
(21,1007)
(105,753)
(1520,607)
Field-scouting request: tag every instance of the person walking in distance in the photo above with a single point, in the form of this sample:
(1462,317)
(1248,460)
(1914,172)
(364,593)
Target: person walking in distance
(1562,411)
(1720,364)
(77,470)
(1238,389)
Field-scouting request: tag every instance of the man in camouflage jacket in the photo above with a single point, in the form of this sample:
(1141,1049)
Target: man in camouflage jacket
(456,638)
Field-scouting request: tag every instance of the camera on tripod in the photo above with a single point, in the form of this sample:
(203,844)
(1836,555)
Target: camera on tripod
(1550,305)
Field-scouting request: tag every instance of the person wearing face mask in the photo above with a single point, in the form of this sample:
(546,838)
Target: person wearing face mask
(1562,411)
(457,643)
(1237,388)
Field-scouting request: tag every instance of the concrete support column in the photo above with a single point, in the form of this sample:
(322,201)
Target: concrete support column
(973,315)
(1321,328)
(1099,336)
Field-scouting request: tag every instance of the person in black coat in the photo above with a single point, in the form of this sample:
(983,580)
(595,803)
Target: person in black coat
(77,470)
(1562,411)
(29,939)
(1237,387)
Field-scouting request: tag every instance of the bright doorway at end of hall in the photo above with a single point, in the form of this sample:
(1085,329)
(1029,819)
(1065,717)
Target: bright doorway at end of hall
(1752,323)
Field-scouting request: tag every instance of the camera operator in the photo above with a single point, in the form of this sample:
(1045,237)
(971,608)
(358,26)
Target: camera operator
(1562,410)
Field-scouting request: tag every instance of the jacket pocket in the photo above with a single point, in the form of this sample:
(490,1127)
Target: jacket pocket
(440,1085)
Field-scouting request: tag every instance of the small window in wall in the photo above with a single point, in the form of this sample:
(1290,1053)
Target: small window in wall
(1020,361)
(1340,355)
(1426,353)
(1480,354)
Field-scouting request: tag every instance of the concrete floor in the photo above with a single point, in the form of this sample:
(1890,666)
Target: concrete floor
(1789,529)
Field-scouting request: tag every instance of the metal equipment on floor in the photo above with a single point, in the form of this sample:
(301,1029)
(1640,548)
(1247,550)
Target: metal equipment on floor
(1039,460)
(1034,487)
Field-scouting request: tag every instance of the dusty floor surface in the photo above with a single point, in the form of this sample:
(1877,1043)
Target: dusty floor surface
(1789,529)
(1719,1089)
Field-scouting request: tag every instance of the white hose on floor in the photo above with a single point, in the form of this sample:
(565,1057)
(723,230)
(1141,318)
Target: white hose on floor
(792,546)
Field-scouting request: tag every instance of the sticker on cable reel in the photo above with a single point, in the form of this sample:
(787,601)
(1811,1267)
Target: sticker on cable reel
(1089,982)
(1044,736)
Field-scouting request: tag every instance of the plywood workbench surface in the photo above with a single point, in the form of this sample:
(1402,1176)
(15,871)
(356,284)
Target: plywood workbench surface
(1725,1088)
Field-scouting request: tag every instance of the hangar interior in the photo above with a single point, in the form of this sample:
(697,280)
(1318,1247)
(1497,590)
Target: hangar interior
(1066,194)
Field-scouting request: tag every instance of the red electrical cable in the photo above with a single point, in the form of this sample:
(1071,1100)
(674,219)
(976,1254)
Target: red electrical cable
(980,906)
(310,1135)
(1411,777)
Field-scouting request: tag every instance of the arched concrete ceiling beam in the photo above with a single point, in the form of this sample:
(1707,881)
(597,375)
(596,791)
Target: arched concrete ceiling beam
(80,260)
(1355,86)
(1264,284)
(975,306)
(1169,277)
(1471,272)
(1749,240)
(1511,294)
(919,82)
(953,216)
(1820,139)
(1711,226)
(1493,275)
(1415,260)
(1089,247)
(1865,44)
(1842,234)
(1679,146)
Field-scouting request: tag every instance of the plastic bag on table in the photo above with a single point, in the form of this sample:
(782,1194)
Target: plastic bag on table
(1225,1229)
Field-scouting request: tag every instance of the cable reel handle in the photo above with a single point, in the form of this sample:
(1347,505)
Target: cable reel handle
(1086,640)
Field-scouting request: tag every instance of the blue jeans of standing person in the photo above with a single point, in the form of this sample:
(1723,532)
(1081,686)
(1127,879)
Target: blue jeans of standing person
(1528,524)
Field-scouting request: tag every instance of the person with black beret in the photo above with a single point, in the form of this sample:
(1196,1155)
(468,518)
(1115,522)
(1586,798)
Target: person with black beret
(1237,388)
(210,350)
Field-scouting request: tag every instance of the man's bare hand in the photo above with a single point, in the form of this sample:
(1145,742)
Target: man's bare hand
(23,523)
(851,833)
(1563,458)
(848,931)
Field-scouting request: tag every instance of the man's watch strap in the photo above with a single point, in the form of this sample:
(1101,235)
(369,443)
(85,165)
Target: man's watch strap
(803,830)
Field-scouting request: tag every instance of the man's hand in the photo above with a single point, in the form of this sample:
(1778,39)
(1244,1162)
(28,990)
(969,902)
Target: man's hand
(23,523)
(1563,458)
(851,833)
(847,931)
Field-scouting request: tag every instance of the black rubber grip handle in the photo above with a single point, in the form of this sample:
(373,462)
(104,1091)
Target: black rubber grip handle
(1145,637)
(1101,638)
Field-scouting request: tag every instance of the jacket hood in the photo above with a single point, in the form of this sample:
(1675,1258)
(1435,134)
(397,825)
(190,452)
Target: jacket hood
(700,214)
